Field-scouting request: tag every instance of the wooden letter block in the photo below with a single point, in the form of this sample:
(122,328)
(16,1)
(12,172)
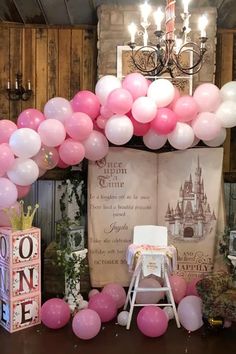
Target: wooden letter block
(20,278)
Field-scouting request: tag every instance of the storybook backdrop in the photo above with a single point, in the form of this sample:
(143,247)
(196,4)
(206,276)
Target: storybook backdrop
(129,187)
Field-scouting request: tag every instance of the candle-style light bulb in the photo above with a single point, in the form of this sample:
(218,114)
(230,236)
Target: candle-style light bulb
(132,28)
(145,11)
(8,84)
(158,18)
(29,85)
(185,4)
(202,24)
(178,44)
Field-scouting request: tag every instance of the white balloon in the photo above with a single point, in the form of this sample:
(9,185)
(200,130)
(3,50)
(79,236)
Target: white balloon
(228,91)
(58,108)
(218,140)
(182,136)
(226,113)
(195,141)
(122,318)
(169,312)
(144,109)
(119,129)
(154,140)
(25,142)
(23,172)
(105,86)
(162,92)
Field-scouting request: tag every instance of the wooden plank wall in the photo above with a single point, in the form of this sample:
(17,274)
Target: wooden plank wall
(58,62)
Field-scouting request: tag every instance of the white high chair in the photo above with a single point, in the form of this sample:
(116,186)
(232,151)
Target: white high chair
(156,236)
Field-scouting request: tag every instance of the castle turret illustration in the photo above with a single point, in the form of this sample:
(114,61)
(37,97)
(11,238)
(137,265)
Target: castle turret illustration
(192,217)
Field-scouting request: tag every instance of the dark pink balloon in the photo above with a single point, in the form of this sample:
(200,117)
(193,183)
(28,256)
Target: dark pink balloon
(79,126)
(86,102)
(71,152)
(152,321)
(117,292)
(119,101)
(7,127)
(62,164)
(22,191)
(164,122)
(104,305)
(55,313)
(30,118)
(136,84)
(191,287)
(140,129)
(186,108)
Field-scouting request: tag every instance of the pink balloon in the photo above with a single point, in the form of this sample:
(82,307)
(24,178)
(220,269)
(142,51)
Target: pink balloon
(105,112)
(47,158)
(22,191)
(58,108)
(207,97)
(144,109)
(8,193)
(52,132)
(149,297)
(136,84)
(164,122)
(86,324)
(96,146)
(62,164)
(6,158)
(178,287)
(206,126)
(119,101)
(186,108)
(117,292)
(55,313)
(101,122)
(191,287)
(78,126)
(176,97)
(30,118)
(93,292)
(71,152)
(7,127)
(104,305)
(152,321)
(4,218)
(140,129)
(86,102)
(190,312)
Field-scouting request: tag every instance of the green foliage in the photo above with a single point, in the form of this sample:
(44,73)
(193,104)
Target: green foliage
(224,251)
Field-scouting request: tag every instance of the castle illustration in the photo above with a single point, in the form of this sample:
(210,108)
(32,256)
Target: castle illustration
(192,218)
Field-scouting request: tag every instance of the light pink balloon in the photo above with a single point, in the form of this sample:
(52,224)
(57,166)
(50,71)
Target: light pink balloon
(105,85)
(96,146)
(206,126)
(140,129)
(86,324)
(182,136)
(78,126)
(154,140)
(144,109)
(219,139)
(8,193)
(136,84)
(186,108)
(119,101)
(52,132)
(104,305)
(47,158)
(119,129)
(6,158)
(30,118)
(4,218)
(190,312)
(178,287)
(152,321)
(93,292)
(22,191)
(58,108)
(101,122)
(105,112)
(164,122)
(7,127)
(71,152)
(117,292)
(55,313)
(149,297)
(86,102)
(207,97)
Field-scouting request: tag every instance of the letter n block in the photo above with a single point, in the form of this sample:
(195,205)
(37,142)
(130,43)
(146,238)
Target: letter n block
(20,278)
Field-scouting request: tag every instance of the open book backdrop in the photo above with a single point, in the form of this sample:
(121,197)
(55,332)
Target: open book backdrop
(176,189)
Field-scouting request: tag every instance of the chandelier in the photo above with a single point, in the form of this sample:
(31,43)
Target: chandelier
(169,53)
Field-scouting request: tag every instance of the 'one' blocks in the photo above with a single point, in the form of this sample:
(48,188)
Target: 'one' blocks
(20,278)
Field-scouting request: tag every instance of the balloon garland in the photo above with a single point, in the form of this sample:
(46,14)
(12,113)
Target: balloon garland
(67,132)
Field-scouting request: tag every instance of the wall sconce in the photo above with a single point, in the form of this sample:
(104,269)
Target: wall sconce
(18,92)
